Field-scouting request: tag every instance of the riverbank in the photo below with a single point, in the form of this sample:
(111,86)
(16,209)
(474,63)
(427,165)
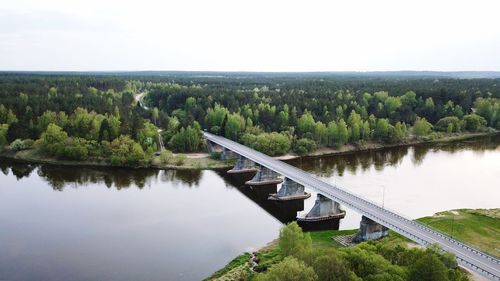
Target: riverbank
(203,161)
(477,227)
(349,148)
(181,161)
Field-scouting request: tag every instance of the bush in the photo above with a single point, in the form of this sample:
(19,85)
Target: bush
(449,124)
(269,143)
(166,156)
(304,146)
(474,122)
(28,143)
(17,145)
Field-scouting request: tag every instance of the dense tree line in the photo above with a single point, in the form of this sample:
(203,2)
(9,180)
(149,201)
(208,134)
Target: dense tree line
(309,114)
(272,113)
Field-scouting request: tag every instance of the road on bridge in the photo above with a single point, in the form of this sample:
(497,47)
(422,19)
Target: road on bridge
(467,256)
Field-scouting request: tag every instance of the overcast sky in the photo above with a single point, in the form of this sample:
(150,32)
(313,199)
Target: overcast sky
(250,35)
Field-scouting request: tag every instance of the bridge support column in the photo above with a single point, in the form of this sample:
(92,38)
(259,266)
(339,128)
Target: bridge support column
(243,165)
(290,190)
(213,147)
(370,230)
(265,176)
(325,214)
(227,154)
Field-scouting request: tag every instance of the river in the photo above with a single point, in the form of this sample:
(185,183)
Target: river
(71,223)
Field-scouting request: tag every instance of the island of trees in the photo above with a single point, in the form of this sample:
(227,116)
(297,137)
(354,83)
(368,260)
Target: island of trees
(96,117)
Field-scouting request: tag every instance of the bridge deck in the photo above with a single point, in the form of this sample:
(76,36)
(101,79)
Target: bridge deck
(467,256)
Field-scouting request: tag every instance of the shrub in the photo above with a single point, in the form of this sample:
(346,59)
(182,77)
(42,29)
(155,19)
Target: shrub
(17,145)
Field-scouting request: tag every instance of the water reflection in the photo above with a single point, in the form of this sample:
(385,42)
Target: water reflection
(284,211)
(59,177)
(378,159)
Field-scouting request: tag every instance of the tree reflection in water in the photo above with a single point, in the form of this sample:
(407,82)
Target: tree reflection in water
(61,176)
(326,166)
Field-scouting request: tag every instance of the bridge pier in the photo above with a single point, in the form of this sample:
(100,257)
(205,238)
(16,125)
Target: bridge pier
(325,214)
(290,190)
(242,166)
(264,176)
(227,154)
(213,147)
(369,230)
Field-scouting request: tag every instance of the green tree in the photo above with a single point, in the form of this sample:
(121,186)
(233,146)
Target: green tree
(52,140)
(290,269)
(428,268)
(382,128)
(474,122)
(304,146)
(422,127)
(330,266)
(449,123)
(355,123)
(294,242)
(306,124)
(4,128)
(342,135)
(234,126)
(124,150)
(331,132)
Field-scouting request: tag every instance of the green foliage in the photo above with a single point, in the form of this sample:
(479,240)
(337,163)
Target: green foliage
(290,269)
(269,143)
(293,242)
(124,150)
(166,156)
(304,146)
(489,109)
(474,122)
(342,135)
(7,116)
(428,268)
(17,145)
(3,134)
(186,140)
(329,265)
(306,124)
(52,141)
(449,124)
(422,127)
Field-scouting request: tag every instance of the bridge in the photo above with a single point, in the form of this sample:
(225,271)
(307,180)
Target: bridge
(467,256)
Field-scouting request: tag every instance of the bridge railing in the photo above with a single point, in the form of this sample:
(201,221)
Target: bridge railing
(421,225)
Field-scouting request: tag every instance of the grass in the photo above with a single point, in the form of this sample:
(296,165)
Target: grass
(323,238)
(237,263)
(480,228)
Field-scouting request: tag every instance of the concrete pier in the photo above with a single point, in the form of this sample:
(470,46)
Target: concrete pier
(242,166)
(290,190)
(227,154)
(325,214)
(369,230)
(265,177)
(213,147)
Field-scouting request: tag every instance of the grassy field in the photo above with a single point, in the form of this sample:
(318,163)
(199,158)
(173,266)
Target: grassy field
(480,228)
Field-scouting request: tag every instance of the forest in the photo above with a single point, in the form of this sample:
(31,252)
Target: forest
(92,116)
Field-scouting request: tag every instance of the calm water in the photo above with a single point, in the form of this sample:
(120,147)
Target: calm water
(60,223)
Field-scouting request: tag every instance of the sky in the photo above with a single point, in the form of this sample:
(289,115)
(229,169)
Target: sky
(253,35)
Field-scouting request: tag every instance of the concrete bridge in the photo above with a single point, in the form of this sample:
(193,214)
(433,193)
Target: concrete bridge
(467,256)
